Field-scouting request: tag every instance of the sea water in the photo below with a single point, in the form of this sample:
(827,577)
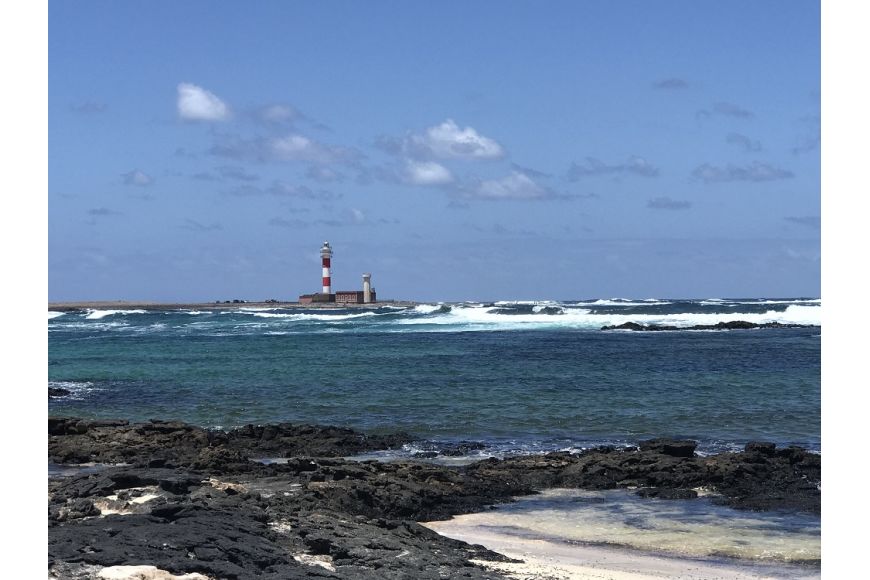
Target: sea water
(516,376)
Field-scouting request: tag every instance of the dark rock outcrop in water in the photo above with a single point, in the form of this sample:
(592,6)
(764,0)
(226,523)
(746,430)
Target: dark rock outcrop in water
(192,500)
(54,392)
(732,325)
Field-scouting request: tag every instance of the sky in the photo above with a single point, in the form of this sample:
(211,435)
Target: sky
(202,151)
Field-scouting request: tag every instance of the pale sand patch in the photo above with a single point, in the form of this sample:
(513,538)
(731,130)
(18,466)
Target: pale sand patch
(225,485)
(282,527)
(144,573)
(322,561)
(544,559)
(112,505)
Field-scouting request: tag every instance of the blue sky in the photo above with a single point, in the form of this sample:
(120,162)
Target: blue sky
(458,150)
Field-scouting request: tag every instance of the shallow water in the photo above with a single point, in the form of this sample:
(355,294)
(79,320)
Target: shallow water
(747,544)
(696,527)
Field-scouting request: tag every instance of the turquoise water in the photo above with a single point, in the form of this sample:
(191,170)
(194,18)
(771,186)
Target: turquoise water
(691,534)
(517,376)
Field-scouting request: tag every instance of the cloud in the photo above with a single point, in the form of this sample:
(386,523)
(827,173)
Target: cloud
(290,224)
(743,142)
(725,110)
(668,203)
(137,178)
(195,226)
(670,84)
(517,185)
(812,135)
(197,104)
(185,154)
(501,230)
(103,212)
(427,173)
(754,172)
(324,174)
(237,173)
(89,108)
(292,147)
(346,217)
(100,212)
(530,172)
(732,110)
(444,141)
(807,145)
(277,114)
(592,167)
(282,189)
(297,147)
(810,221)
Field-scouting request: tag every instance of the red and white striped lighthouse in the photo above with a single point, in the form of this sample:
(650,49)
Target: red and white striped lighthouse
(326,257)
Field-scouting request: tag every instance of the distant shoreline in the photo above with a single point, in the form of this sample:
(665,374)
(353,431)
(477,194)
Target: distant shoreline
(223,305)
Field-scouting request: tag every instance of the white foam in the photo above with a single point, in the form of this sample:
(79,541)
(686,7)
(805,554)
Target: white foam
(98,314)
(622,302)
(483,318)
(541,307)
(77,389)
(526,303)
(323,317)
(52,314)
(427,308)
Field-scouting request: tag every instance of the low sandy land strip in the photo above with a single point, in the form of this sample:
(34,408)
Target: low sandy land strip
(139,305)
(547,560)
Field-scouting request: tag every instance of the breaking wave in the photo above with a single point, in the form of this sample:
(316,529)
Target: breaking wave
(454,317)
(98,314)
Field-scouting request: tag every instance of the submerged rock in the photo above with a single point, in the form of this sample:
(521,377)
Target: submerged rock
(667,493)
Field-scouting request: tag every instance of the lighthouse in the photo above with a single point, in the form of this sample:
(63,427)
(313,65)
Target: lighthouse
(326,259)
(365,296)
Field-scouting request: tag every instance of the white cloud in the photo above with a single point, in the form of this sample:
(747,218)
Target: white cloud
(297,147)
(278,114)
(294,147)
(137,177)
(444,141)
(357,216)
(427,173)
(593,167)
(515,186)
(197,104)
(448,140)
(754,172)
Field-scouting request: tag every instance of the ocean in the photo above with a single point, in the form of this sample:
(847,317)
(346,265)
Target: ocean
(508,376)
(475,380)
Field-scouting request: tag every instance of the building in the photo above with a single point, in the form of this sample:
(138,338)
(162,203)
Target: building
(365,296)
(354,297)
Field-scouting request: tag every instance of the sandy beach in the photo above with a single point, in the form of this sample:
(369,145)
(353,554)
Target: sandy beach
(551,560)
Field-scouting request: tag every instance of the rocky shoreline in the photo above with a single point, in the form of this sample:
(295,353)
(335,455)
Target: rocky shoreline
(730,325)
(191,501)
